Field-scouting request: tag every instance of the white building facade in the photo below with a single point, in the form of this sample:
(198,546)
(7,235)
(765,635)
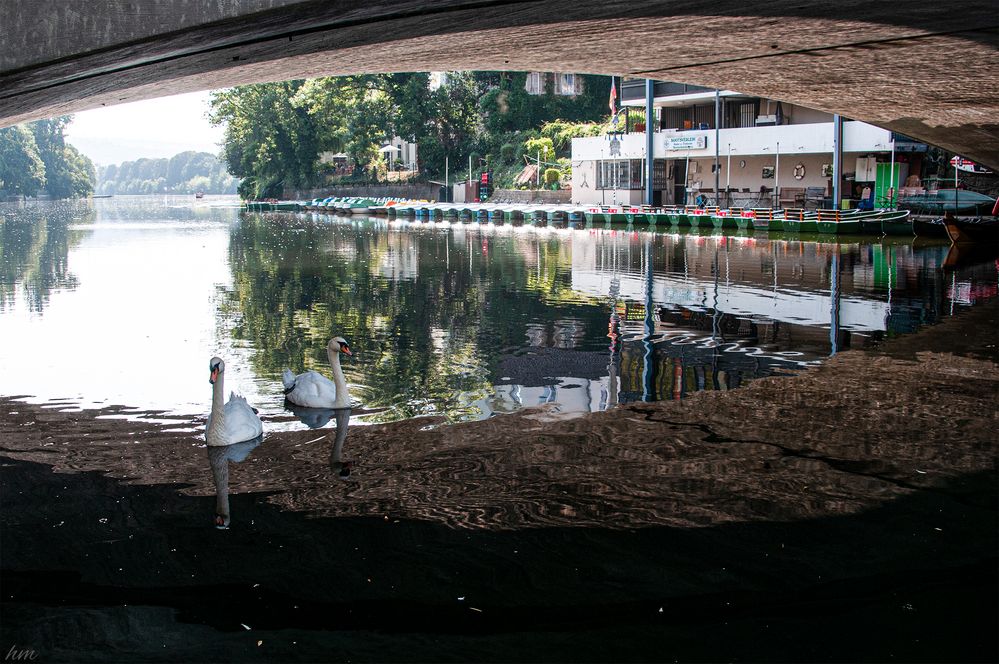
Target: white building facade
(767,153)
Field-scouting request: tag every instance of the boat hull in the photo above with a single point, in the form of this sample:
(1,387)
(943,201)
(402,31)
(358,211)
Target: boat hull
(840,227)
(721,222)
(961,231)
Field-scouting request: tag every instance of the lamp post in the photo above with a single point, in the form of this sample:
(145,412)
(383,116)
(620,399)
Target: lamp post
(777,177)
(728,177)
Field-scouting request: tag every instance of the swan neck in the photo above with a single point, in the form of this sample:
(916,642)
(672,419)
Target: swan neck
(217,424)
(338,379)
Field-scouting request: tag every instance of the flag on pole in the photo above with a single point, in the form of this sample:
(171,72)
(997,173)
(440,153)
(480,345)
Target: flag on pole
(613,98)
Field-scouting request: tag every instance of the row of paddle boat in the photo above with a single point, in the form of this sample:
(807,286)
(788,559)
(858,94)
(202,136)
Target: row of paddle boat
(840,222)
(851,222)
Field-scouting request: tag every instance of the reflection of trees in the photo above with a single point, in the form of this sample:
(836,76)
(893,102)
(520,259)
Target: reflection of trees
(34,251)
(427,313)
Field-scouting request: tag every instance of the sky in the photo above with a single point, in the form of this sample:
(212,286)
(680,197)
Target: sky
(154,128)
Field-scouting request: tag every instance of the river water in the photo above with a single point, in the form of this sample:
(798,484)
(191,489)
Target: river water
(122,302)
(844,514)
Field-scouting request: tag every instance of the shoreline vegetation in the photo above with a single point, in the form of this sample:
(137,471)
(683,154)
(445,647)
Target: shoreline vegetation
(187,172)
(35,157)
(304,134)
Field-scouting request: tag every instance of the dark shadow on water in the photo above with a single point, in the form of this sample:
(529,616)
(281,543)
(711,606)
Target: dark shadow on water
(912,580)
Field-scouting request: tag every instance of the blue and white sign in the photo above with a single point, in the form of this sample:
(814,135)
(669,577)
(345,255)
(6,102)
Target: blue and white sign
(693,142)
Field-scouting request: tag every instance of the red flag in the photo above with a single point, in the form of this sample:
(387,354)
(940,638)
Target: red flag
(613,98)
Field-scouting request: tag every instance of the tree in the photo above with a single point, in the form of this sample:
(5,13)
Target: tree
(68,173)
(267,137)
(22,170)
(162,176)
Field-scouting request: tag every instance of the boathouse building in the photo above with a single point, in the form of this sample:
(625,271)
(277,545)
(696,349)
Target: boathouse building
(767,153)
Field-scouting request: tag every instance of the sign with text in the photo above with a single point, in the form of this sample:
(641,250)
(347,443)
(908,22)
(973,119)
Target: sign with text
(698,142)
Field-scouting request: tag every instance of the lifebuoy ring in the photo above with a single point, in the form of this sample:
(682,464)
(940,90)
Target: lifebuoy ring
(799,171)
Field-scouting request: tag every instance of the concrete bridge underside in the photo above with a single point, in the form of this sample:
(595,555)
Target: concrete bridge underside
(926,68)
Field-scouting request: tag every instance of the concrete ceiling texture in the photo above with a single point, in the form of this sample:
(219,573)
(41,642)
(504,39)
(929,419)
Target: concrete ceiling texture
(926,68)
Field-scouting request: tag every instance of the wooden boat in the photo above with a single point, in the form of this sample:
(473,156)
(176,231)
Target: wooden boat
(677,217)
(766,224)
(897,222)
(968,231)
(594,215)
(635,213)
(536,214)
(513,213)
(556,213)
(698,217)
(800,221)
(929,227)
(839,222)
(615,214)
(660,216)
(728,219)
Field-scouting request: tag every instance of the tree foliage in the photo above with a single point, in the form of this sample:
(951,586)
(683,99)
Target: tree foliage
(276,133)
(22,170)
(184,173)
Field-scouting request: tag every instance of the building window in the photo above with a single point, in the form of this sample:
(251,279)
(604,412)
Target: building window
(566,84)
(620,174)
(535,83)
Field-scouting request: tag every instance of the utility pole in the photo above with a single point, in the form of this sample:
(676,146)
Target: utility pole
(717,147)
(837,160)
(649,143)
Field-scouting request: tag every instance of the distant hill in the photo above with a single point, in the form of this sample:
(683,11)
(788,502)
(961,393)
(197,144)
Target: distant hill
(185,173)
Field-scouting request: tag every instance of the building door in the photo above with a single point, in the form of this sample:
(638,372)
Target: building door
(680,181)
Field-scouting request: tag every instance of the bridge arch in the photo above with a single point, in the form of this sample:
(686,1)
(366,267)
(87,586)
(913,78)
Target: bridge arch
(923,68)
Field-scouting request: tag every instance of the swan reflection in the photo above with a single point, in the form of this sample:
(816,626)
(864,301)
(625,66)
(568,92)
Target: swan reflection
(218,459)
(337,464)
(314,418)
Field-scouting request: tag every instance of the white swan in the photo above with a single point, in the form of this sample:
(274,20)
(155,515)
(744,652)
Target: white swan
(314,390)
(236,422)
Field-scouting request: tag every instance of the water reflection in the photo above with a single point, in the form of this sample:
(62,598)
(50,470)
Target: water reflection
(314,418)
(338,465)
(470,320)
(461,320)
(218,461)
(34,250)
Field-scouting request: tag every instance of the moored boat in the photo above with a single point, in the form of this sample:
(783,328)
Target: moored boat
(971,230)
(634,213)
(897,222)
(929,226)
(799,221)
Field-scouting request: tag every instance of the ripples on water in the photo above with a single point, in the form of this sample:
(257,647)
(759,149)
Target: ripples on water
(122,302)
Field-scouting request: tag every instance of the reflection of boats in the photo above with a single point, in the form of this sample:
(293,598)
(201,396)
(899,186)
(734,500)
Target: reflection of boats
(964,253)
(971,230)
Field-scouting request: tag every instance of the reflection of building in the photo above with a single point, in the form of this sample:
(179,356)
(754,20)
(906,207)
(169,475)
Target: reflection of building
(761,145)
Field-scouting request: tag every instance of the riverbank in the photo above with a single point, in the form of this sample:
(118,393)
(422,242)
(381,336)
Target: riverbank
(845,513)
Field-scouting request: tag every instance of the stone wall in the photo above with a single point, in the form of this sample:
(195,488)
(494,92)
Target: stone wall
(562,196)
